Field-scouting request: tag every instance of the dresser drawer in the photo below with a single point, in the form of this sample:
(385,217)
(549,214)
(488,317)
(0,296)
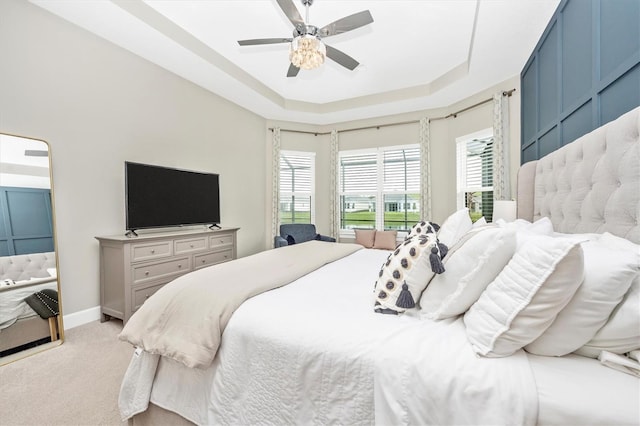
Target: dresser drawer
(189,245)
(220,240)
(140,294)
(208,259)
(150,251)
(173,267)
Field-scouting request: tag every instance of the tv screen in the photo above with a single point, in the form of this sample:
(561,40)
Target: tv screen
(160,196)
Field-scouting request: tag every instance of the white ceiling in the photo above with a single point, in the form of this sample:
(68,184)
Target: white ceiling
(416,55)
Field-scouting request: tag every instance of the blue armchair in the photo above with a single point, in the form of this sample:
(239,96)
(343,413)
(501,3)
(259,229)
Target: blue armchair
(298,233)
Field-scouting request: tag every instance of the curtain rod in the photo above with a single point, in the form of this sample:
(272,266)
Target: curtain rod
(452,115)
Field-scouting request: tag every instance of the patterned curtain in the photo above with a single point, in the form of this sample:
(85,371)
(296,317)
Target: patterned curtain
(501,169)
(425,169)
(275,184)
(334,198)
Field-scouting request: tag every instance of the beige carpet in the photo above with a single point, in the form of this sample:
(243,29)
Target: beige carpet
(76,383)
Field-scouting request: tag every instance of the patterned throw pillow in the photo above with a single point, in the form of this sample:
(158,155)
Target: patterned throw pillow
(407,272)
(423,228)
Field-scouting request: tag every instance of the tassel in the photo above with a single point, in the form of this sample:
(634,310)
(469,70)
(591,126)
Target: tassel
(435,226)
(436,263)
(443,249)
(405,299)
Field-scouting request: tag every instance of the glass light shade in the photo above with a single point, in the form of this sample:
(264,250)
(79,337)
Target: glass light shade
(307,52)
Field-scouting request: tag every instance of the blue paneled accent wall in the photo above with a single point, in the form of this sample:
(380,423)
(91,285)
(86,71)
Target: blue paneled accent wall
(583,73)
(26,224)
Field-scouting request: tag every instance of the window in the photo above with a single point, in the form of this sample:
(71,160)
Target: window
(475,174)
(297,173)
(380,188)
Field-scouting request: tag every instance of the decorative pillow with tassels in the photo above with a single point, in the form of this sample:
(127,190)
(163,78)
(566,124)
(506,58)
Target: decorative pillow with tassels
(407,272)
(422,228)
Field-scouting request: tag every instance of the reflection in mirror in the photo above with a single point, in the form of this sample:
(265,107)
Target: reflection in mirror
(30,315)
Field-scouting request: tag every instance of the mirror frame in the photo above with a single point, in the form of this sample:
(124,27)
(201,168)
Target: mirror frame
(45,346)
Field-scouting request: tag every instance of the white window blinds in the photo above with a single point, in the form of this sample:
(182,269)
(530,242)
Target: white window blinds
(358,173)
(297,174)
(402,170)
(380,188)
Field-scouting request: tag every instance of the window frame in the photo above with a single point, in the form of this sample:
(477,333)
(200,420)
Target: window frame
(461,167)
(379,192)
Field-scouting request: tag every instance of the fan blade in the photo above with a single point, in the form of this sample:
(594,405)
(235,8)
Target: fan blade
(291,11)
(263,41)
(347,23)
(341,58)
(293,71)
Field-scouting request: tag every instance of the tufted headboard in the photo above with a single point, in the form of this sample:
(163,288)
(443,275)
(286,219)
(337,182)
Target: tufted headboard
(26,266)
(589,185)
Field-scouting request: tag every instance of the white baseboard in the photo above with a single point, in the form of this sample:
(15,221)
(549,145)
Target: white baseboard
(80,318)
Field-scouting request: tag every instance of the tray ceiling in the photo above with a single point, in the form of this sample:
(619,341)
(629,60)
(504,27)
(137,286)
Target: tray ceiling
(415,55)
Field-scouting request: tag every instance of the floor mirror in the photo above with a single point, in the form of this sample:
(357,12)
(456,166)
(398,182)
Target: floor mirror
(30,302)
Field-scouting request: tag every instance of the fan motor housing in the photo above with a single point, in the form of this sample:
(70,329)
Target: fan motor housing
(302,29)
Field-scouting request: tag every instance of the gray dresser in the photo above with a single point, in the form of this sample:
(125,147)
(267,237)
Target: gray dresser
(132,269)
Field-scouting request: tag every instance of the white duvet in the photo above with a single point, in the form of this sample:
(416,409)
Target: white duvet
(314,352)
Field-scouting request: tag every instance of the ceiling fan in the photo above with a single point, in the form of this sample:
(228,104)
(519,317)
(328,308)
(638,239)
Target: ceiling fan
(307,50)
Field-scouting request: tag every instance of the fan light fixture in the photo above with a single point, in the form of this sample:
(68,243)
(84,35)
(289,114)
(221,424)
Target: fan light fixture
(307,52)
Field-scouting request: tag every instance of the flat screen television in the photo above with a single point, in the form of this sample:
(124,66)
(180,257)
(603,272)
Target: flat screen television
(159,197)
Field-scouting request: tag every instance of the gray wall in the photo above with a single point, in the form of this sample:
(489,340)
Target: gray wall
(584,72)
(98,105)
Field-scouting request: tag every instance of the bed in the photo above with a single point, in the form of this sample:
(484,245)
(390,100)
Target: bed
(20,277)
(509,333)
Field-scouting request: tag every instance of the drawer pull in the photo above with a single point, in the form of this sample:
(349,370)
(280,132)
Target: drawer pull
(146,272)
(221,241)
(225,256)
(146,296)
(179,265)
(204,261)
(191,245)
(153,251)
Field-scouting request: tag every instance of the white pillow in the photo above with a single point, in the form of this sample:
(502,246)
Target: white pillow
(456,225)
(480,222)
(410,265)
(542,226)
(608,273)
(524,299)
(474,262)
(621,333)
